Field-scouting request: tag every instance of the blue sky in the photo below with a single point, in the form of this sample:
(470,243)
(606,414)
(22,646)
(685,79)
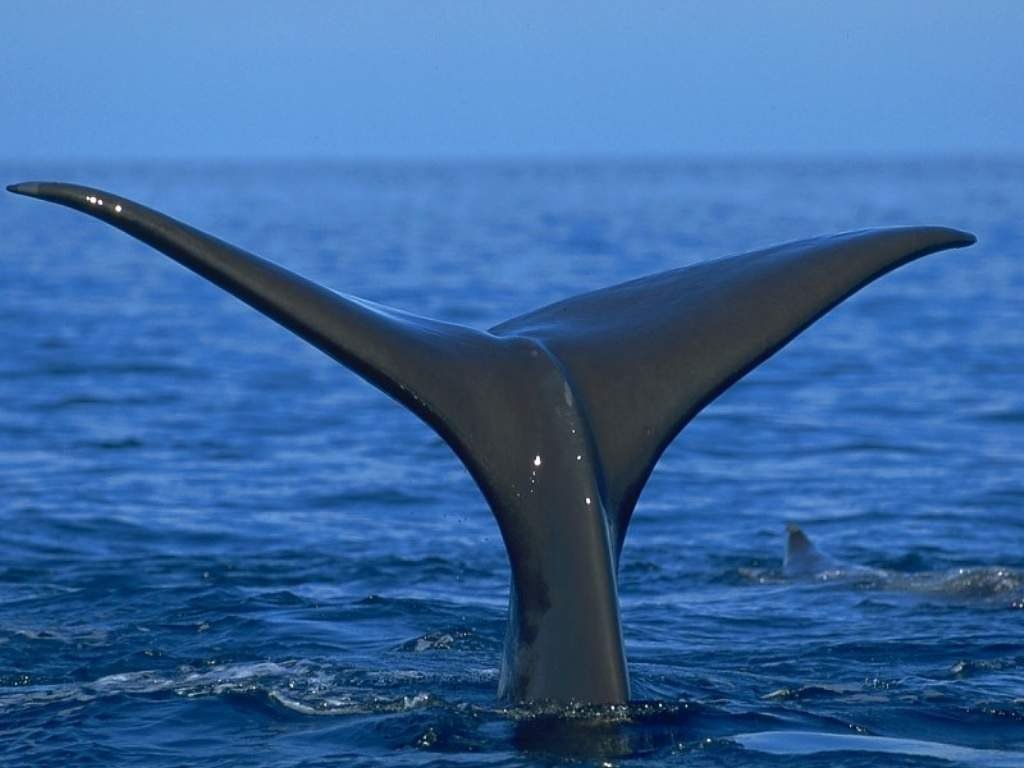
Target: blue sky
(389,79)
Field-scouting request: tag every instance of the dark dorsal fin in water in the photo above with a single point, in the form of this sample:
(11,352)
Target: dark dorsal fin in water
(560,414)
(802,557)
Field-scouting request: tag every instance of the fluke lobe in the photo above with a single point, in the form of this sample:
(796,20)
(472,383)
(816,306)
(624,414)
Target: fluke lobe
(559,414)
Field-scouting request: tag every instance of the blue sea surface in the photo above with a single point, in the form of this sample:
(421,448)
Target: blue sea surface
(218,547)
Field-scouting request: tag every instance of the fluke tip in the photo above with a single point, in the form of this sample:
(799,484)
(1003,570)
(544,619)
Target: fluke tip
(30,188)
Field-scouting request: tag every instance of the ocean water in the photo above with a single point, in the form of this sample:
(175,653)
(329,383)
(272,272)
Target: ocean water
(218,547)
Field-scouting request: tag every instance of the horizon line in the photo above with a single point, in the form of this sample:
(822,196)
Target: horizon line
(538,158)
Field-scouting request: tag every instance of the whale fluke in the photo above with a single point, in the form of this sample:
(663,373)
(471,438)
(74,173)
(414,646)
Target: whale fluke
(560,414)
(662,347)
(418,361)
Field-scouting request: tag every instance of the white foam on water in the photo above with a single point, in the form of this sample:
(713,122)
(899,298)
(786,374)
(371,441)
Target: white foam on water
(810,742)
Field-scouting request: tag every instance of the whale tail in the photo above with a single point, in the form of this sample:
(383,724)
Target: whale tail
(560,414)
